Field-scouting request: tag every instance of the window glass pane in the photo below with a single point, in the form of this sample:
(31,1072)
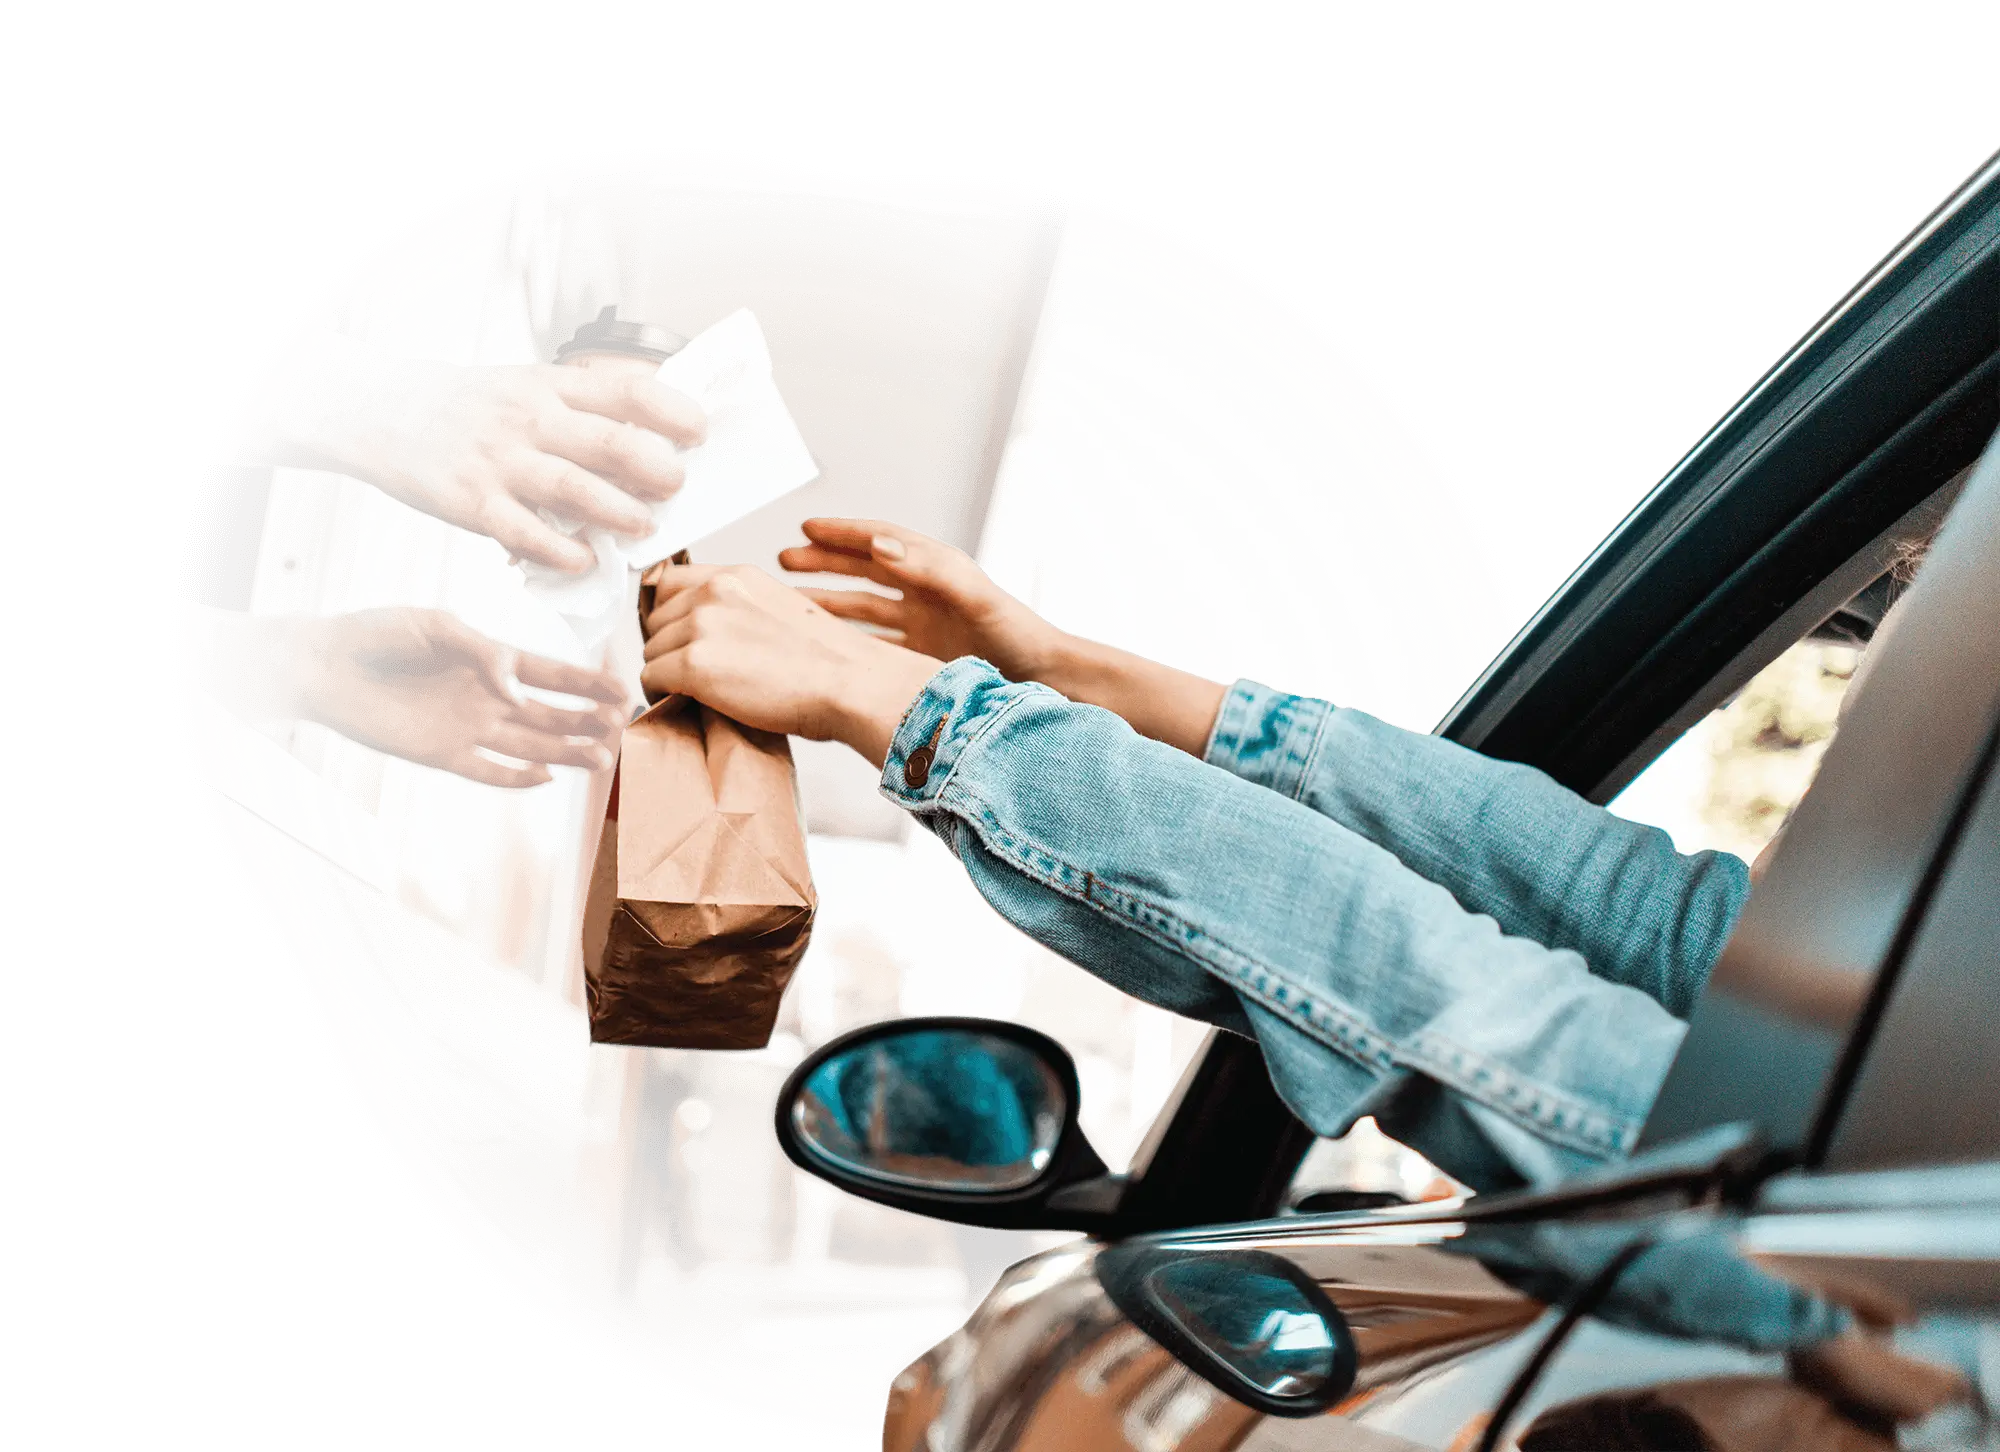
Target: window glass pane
(1366,1162)
(1732,781)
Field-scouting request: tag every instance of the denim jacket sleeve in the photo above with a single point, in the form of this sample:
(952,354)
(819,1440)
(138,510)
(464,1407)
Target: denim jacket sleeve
(1503,839)
(1206,894)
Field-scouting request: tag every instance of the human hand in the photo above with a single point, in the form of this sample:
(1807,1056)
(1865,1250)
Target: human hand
(485,448)
(762,653)
(948,606)
(422,685)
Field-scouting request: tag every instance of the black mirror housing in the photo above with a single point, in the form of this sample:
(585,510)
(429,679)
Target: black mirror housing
(1247,1322)
(1075,1189)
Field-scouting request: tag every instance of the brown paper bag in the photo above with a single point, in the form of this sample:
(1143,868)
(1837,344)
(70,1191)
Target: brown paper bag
(701,900)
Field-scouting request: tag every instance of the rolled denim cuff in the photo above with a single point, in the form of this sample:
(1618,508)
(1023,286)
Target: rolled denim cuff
(1268,737)
(956,706)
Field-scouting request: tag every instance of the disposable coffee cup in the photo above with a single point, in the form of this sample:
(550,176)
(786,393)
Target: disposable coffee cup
(609,341)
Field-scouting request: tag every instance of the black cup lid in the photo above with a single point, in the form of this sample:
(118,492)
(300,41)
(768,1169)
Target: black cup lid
(608,333)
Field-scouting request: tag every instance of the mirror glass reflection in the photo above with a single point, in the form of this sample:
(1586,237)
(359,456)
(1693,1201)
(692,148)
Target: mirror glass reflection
(940,1109)
(1260,1325)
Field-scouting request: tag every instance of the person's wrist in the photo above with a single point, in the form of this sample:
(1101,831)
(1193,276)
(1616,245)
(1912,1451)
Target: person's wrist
(1021,644)
(871,698)
(1063,662)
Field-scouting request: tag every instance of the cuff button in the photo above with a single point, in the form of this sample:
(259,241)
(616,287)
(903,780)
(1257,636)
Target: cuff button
(917,765)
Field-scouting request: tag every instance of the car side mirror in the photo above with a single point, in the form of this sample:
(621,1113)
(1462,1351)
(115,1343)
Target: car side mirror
(1247,1322)
(961,1119)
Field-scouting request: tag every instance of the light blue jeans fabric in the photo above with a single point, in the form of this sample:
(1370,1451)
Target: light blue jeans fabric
(1494,967)
(1489,965)
(1497,969)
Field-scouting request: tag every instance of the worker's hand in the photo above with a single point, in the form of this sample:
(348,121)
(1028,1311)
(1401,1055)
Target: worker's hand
(422,685)
(485,448)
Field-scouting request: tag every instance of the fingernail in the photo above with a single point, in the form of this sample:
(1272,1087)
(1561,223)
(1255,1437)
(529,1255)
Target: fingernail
(599,758)
(886,548)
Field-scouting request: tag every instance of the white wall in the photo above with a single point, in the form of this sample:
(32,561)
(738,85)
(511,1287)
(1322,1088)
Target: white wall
(1197,481)
(1203,474)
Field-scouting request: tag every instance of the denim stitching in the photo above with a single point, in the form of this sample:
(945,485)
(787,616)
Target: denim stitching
(1578,1125)
(1589,1127)
(1349,1035)
(1285,757)
(892,764)
(979,730)
(903,721)
(1224,732)
(1251,722)
(1237,713)
(1320,733)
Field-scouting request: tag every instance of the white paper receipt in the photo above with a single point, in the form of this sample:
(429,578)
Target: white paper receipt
(753,454)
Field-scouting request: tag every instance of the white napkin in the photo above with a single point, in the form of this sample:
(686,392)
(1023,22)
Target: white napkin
(753,454)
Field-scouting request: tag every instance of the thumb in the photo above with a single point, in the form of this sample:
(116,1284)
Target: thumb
(499,666)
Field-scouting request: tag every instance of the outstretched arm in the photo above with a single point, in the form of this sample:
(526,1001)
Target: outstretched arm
(1195,889)
(1505,840)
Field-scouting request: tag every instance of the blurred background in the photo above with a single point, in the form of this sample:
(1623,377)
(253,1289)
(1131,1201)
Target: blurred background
(1129,443)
